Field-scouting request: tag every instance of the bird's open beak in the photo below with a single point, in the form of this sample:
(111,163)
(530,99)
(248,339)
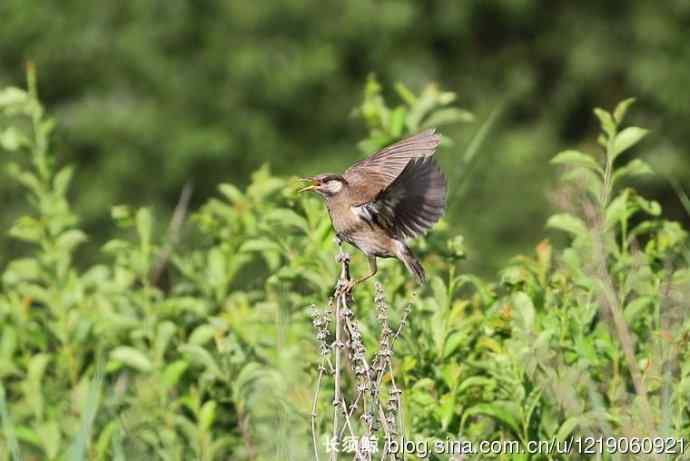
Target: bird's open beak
(314,184)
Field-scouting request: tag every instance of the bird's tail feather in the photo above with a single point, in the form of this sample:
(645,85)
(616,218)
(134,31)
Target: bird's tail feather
(412,264)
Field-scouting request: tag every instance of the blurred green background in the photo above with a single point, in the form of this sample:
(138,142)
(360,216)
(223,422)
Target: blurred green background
(151,95)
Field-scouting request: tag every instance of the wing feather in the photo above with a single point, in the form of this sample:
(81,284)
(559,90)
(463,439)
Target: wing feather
(370,176)
(411,204)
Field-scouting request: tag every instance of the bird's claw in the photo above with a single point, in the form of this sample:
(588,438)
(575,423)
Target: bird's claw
(349,285)
(342,257)
(345,287)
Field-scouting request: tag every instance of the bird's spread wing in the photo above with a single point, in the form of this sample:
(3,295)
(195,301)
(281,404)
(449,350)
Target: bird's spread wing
(368,177)
(411,204)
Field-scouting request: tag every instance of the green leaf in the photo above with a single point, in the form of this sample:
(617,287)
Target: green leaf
(165,332)
(70,239)
(89,408)
(456,247)
(636,167)
(588,179)
(12,97)
(231,192)
(202,334)
(122,215)
(62,180)
(453,341)
(26,178)
(569,426)
(447,116)
(576,158)
(102,448)
(22,269)
(286,217)
(216,268)
(132,358)
(172,373)
(650,207)
(568,223)
(397,124)
(207,415)
(424,104)
(11,139)
(115,246)
(530,405)
(445,97)
(513,275)
(636,307)
(405,94)
(479,381)
(626,139)
(440,291)
(621,109)
(607,123)
(445,409)
(244,382)
(201,356)
(49,434)
(28,229)
(617,209)
(670,236)
(423,399)
(523,312)
(259,245)
(507,412)
(451,374)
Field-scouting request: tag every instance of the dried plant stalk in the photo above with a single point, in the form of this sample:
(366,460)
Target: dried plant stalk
(362,380)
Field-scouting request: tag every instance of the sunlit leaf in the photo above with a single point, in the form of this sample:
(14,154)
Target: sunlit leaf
(131,357)
(635,167)
(577,158)
(12,97)
(607,122)
(621,109)
(568,426)
(505,412)
(207,415)
(617,210)
(568,223)
(446,117)
(69,240)
(523,311)
(201,335)
(11,139)
(626,139)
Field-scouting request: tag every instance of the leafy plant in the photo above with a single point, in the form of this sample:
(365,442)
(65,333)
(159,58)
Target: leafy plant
(197,343)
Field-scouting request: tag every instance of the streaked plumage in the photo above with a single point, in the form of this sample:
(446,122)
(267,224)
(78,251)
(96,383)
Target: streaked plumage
(395,194)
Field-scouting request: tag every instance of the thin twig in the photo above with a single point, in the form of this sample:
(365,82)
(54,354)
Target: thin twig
(314,415)
(340,298)
(173,234)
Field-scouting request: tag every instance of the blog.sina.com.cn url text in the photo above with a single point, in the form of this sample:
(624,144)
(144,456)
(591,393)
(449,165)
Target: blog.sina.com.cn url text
(585,445)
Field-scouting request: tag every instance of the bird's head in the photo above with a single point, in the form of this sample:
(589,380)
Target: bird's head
(327,185)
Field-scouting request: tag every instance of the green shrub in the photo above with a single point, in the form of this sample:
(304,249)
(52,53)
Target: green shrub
(193,340)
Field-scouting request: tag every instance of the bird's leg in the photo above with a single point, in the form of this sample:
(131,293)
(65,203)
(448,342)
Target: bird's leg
(372,268)
(341,255)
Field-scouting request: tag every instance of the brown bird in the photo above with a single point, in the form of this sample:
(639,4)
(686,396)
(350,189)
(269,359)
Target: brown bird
(377,203)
